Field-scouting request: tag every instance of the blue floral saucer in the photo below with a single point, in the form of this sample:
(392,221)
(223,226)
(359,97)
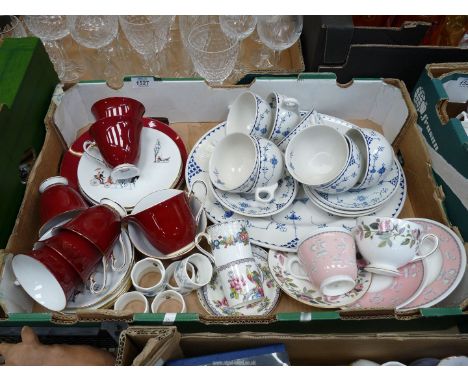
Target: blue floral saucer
(245,204)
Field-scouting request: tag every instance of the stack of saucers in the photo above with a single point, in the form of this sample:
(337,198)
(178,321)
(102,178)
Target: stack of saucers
(350,175)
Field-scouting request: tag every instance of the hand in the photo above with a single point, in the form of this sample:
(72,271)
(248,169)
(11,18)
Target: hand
(30,352)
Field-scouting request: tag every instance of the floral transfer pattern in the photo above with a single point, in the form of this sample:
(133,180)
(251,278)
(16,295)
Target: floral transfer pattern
(241,237)
(387,232)
(213,300)
(303,290)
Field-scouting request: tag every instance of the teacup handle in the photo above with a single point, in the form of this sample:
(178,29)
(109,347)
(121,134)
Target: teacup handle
(265,194)
(87,146)
(289,264)
(197,244)
(125,256)
(290,103)
(104,281)
(418,256)
(203,201)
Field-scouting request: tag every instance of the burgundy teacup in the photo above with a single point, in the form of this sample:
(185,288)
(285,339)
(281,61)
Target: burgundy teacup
(166,220)
(58,201)
(116,107)
(79,252)
(99,224)
(118,140)
(46,277)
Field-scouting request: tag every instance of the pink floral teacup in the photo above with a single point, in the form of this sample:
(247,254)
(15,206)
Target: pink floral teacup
(328,259)
(241,280)
(389,243)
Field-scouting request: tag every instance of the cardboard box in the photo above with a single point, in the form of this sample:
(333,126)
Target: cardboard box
(303,349)
(22,110)
(192,108)
(439,96)
(334,44)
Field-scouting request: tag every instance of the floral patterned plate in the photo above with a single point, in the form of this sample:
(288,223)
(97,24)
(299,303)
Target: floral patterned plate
(393,292)
(246,205)
(444,269)
(303,290)
(71,158)
(213,301)
(283,230)
(160,164)
(361,199)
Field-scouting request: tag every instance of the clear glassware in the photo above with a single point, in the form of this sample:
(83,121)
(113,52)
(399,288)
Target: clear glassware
(213,53)
(98,32)
(147,35)
(239,27)
(279,32)
(13,28)
(51,30)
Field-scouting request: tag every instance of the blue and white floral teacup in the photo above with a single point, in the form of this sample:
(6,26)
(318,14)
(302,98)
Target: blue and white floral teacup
(286,115)
(350,174)
(317,155)
(242,163)
(377,156)
(250,114)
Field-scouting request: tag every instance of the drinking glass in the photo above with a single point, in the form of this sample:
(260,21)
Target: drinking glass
(213,53)
(12,28)
(97,32)
(279,32)
(51,30)
(147,35)
(239,27)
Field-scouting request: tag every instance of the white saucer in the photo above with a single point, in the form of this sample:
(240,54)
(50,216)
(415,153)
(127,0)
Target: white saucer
(362,199)
(159,163)
(246,205)
(212,298)
(143,245)
(304,291)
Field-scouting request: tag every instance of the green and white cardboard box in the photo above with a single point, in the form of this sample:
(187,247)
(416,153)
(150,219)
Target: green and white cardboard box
(447,141)
(383,103)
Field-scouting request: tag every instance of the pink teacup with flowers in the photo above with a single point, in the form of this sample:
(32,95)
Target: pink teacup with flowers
(327,258)
(389,243)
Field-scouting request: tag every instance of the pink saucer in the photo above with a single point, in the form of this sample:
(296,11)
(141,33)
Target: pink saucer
(393,292)
(71,158)
(444,269)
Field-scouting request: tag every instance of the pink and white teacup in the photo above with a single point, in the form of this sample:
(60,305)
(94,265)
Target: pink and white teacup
(328,257)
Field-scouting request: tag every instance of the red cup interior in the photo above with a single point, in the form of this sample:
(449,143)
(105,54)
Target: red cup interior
(117,106)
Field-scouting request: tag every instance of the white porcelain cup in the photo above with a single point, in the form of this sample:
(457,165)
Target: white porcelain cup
(193,272)
(250,114)
(148,276)
(241,163)
(377,156)
(169,301)
(317,155)
(389,243)
(134,302)
(241,280)
(349,175)
(286,115)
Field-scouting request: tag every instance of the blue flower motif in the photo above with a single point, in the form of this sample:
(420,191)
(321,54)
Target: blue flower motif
(228,214)
(274,161)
